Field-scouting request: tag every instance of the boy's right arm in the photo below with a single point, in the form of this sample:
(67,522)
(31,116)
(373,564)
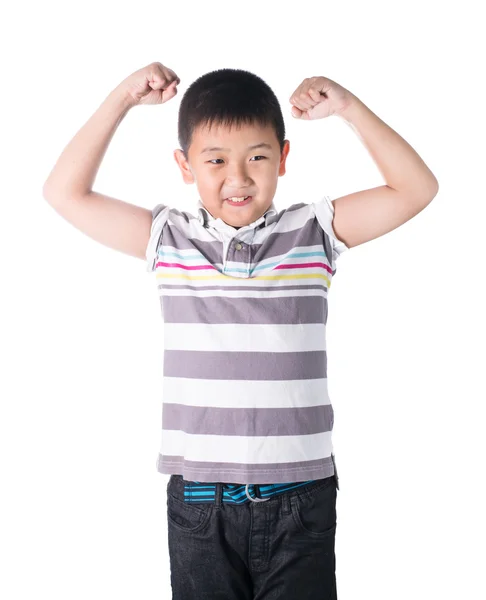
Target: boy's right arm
(119,225)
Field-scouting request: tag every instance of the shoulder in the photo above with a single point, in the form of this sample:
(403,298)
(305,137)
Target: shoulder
(160,215)
(323,210)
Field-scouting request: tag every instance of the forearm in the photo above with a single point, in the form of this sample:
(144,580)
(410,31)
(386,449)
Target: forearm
(401,167)
(75,171)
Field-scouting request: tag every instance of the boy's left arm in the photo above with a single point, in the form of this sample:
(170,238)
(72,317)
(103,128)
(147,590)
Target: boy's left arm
(410,185)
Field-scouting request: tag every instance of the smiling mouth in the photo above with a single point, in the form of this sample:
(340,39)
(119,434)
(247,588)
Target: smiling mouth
(239,203)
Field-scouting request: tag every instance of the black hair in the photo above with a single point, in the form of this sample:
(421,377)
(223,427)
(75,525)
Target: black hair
(228,97)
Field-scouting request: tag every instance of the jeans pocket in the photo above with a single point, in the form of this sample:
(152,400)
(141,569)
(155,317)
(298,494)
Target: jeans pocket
(185,516)
(314,513)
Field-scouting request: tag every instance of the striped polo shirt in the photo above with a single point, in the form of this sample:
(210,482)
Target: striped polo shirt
(245,396)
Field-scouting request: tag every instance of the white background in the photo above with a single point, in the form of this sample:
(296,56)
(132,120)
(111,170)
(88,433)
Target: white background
(83,510)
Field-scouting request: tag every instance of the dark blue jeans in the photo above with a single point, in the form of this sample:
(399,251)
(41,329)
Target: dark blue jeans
(280,549)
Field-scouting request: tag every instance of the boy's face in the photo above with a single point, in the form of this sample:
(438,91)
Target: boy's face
(237,170)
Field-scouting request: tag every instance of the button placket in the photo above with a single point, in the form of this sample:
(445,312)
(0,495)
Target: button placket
(241,246)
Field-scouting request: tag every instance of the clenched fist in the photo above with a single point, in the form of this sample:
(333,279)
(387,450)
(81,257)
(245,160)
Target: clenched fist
(153,84)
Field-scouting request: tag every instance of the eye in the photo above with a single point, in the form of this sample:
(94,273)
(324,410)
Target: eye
(212,161)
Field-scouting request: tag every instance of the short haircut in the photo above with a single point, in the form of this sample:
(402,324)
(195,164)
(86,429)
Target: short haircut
(228,97)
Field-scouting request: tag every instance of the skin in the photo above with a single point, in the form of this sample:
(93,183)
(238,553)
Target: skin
(237,172)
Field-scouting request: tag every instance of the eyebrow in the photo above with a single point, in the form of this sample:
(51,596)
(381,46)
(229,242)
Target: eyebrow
(215,148)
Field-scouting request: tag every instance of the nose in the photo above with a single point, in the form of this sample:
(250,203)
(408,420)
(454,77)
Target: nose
(238,177)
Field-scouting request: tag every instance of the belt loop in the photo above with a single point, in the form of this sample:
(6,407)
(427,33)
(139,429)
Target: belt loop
(285,503)
(218,496)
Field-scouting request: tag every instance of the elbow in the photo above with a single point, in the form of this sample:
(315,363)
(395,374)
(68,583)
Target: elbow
(47,192)
(432,189)
(436,186)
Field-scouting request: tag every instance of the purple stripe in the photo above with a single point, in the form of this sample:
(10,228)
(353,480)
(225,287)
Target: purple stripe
(283,310)
(248,421)
(251,366)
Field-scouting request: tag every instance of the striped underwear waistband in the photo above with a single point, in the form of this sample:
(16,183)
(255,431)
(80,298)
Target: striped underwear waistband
(235,493)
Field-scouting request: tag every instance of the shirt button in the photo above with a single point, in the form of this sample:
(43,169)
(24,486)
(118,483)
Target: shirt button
(238,246)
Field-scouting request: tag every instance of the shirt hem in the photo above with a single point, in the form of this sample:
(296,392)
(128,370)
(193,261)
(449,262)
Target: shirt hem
(245,476)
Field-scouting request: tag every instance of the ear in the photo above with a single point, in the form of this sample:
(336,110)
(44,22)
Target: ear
(183,164)
(283,158)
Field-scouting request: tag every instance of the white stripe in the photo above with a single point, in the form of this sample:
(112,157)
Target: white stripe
(231,393)
(244,449)
(231,337)
(229,293)
(205,278)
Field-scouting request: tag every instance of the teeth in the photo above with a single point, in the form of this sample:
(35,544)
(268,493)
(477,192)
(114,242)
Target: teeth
(235,199)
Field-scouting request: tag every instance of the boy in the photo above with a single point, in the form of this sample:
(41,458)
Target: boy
(247,420)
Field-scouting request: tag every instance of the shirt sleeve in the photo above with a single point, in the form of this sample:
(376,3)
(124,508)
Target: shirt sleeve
(160,214)
(324,211)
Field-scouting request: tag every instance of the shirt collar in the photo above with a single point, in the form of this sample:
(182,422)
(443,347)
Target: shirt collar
(206,218)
